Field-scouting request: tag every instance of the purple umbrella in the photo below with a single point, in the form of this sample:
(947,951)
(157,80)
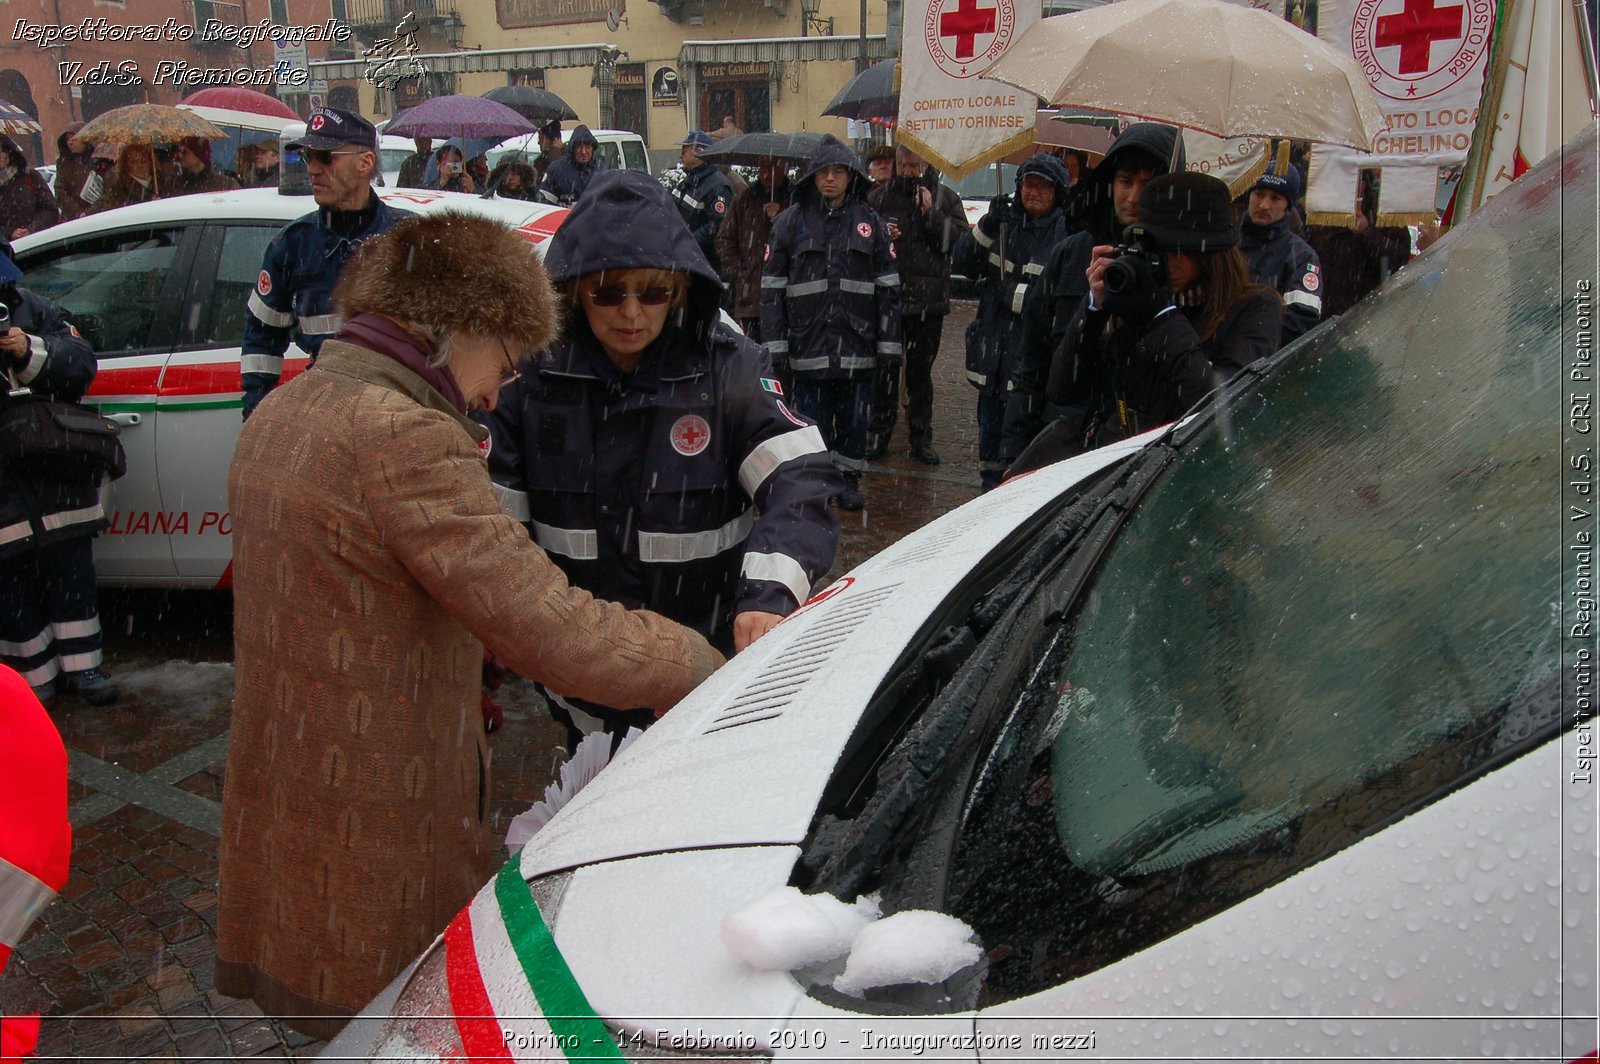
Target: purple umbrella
(460,116)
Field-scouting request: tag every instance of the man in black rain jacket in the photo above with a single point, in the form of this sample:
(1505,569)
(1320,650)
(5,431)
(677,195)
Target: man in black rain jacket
(1034,223)
(569,175)
(830,304)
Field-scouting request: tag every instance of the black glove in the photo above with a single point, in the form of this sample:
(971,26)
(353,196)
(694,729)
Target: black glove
(1141,291)
(1000,204)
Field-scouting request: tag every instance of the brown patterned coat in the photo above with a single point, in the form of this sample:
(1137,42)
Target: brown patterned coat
(370,555)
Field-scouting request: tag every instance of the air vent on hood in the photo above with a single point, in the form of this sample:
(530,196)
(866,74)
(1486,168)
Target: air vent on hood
(804,658)
(950,531)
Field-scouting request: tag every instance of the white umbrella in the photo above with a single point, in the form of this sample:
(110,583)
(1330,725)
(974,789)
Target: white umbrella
(1218,67)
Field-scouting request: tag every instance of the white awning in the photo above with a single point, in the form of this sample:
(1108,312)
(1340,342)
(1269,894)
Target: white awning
(780,49)
(475,62)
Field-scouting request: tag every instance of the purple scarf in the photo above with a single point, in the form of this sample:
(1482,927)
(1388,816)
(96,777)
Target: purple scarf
(378,333)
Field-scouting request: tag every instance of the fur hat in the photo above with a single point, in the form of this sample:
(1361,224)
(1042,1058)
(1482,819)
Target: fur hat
(882,151)
(453,270)
(1187,211)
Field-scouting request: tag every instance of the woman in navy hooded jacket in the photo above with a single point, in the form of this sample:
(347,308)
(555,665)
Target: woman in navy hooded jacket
(651,452)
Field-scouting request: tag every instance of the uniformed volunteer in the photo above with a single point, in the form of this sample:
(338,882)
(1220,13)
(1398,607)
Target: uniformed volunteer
(651,453)
(704,196)
(830,304)
(49,513)
(1034,223)
(293,297)
(1277,257)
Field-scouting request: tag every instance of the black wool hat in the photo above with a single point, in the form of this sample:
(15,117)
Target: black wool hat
(1286,184)
(1187,212)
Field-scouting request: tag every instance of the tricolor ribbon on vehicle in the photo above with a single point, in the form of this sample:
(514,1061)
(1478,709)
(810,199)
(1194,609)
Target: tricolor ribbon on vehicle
(503,932)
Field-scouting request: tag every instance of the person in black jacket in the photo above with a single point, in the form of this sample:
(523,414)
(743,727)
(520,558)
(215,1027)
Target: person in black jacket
(1161,326)
(26,203)
(830,304)
(925,221)
(49,620)
(651,453)
(704,195)
(569,175)
(1277,257)
(1104,203)
(1034,223)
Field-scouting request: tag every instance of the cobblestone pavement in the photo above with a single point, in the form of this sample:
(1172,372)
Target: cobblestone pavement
(122,963)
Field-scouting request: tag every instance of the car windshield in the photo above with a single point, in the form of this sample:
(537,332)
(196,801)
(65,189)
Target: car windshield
(1339,602)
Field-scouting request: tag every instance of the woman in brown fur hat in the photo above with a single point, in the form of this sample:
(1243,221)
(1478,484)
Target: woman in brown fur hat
(372,564)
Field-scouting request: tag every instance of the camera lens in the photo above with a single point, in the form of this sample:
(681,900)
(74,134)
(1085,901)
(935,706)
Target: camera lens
(1119,276)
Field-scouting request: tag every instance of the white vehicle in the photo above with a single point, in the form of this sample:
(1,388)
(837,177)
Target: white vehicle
(159,289)
(392,154)
(1266,735)
(241,127)
(618,149)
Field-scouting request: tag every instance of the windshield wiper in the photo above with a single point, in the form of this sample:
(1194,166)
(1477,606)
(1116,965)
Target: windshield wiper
(844,854)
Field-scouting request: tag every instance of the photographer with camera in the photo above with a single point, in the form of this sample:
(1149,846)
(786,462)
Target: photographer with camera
(49,512)
(1171,314)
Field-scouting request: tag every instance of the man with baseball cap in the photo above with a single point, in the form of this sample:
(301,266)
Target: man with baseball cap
(293,297)
(704,196)
(1277,257)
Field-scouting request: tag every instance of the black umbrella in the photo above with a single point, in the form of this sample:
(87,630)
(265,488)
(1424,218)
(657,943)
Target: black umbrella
(536,105)
(748,149)
(870,94)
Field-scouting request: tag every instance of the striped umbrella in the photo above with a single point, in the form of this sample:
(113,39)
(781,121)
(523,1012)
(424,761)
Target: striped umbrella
(14,120)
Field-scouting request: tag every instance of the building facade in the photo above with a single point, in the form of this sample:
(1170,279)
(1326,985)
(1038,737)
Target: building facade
(657,68)
(70,60)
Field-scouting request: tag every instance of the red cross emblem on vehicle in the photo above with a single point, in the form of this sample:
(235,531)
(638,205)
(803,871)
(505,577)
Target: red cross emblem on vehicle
(963,36)
(690,435)
(1413,49)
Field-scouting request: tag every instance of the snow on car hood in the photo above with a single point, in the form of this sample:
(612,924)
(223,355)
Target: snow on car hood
(744,759)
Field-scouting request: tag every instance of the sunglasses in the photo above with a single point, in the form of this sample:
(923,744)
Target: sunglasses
(613,295)
(323,157)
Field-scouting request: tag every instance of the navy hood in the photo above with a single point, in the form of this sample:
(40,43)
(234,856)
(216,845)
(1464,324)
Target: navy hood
(1093,207)
(1052,170)
(627,221)
(832,152)
(580,137)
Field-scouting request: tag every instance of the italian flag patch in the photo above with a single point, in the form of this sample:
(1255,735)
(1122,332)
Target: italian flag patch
(770,385)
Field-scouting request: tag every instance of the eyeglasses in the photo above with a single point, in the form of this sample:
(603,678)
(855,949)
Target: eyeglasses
(512,373)
(323,156)
(612,295)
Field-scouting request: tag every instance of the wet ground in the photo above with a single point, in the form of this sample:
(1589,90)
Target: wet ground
(122,964)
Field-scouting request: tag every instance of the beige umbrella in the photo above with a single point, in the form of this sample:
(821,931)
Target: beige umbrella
(1218,67)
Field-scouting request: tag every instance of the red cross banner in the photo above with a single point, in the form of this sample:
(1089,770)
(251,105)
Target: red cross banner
(1426,59)
(948,115)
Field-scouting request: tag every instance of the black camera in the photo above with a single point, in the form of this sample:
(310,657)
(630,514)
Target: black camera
(1123,271)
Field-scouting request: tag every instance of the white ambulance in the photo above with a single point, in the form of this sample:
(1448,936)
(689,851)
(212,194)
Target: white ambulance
(159,289)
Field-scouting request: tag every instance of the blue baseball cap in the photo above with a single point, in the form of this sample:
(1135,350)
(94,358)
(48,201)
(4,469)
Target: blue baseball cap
(698,140)
(329,129)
